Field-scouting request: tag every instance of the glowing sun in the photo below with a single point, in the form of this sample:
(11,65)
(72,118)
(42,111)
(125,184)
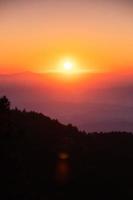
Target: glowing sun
(68,66)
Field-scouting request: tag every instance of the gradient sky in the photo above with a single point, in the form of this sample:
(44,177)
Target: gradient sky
(35,35)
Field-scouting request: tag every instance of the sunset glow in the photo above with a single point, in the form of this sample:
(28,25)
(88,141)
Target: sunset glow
(100,33)
(66,99)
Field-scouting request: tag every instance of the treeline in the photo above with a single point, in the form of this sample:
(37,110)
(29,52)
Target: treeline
(44,159)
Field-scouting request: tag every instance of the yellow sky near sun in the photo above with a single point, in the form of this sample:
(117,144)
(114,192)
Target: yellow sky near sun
(35,36)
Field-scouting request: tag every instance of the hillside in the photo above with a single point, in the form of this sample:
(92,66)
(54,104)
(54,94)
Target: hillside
(92,102)
(44,159)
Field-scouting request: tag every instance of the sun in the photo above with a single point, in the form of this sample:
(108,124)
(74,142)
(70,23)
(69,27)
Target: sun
(68,66)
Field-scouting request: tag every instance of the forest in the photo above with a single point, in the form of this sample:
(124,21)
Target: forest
(44,159)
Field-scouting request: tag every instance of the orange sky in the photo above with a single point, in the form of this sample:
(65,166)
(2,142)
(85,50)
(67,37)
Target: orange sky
(35,35)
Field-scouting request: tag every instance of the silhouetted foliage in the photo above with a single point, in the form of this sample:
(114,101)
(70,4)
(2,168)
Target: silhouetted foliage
(43,159)
(4,104)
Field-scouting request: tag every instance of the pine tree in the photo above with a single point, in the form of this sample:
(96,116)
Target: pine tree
(4,104)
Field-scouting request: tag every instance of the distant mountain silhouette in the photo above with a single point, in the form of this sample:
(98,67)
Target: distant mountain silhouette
(93,102)
(44,159)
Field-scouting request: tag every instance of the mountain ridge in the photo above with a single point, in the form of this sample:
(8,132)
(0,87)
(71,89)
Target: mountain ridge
(42,158)
(88,100)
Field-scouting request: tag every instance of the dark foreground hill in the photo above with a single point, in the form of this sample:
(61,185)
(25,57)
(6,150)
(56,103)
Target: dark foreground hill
(43,159)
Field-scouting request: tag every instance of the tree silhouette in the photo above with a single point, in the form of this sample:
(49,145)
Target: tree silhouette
(4,104)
